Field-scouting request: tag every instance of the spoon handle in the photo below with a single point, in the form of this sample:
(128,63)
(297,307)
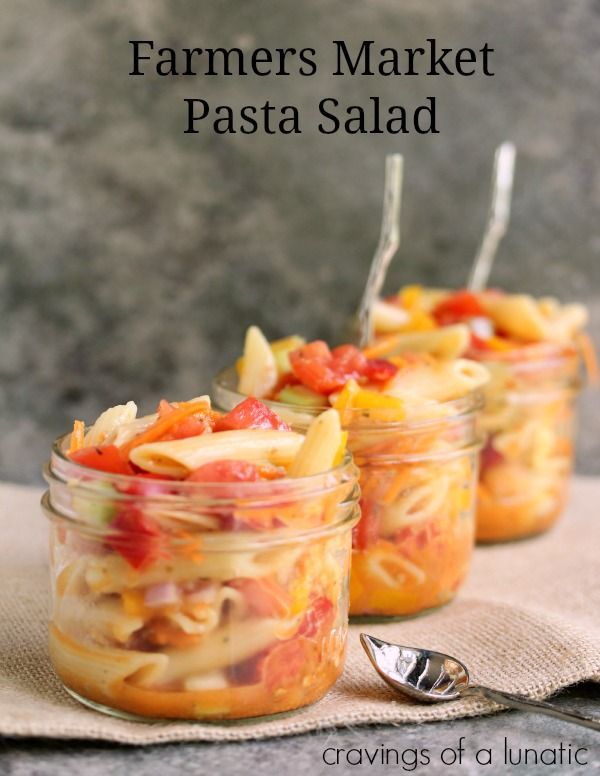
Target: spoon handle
(525,704)
(389,241)
(498,217)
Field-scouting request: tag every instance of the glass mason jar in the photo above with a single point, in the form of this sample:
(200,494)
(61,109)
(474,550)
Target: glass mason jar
(527,459)
(197,600)
(413,543)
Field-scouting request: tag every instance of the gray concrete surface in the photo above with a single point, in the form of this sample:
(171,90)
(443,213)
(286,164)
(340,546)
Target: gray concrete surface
(133,256)
(305,754)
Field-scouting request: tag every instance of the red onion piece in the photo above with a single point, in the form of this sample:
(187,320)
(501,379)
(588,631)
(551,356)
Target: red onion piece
(162,594)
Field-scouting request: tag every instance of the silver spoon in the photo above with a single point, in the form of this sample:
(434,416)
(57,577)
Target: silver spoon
(498,217)
(432,677)
(389,240)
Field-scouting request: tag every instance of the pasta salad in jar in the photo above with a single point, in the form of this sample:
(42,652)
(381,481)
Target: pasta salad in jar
(412,429)
(533,349)
(200,560)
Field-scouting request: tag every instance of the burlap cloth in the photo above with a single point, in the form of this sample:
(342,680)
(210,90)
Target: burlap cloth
(527,621)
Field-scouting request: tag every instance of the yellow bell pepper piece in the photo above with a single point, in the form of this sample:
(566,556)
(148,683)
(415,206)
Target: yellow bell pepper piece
(379,406)
(410,296)
(420,321)
(497,343)
(133,602)
(344,399)
(339,456)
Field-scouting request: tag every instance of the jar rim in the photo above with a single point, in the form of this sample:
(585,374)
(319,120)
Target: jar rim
(220,541)
(531,355)
(61,468)
(463,406)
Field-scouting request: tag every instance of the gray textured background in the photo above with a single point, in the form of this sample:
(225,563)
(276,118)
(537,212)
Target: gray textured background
(132,256)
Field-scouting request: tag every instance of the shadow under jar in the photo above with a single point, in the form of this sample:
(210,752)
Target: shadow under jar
(412,546)
(204,601)
(527,459)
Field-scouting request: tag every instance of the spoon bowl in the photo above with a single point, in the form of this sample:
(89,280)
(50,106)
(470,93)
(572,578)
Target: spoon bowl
(420,673)
(431,677)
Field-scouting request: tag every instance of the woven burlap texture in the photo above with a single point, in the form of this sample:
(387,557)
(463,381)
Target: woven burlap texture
(527,621)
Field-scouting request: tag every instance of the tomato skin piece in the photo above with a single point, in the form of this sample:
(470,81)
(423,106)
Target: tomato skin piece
(458,307)
(366,531)
(164,408)
(287,662)
(187,427)
(318,619)
(316,375)
(139,540)
(251,413)
(104,458)
(317,350)
(379,370)
(325,371)
(225,471)
(489,456)
(477,343)
(147,484)
(348,359)
(264,597)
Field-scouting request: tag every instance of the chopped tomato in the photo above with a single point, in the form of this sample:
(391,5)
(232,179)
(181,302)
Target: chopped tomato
(348,358)
(193,425)
(316,375)
(147,484)
(225,471)
(137,538)
(105,458)
(318,619)
(165,424)
(251,413)
(325,371)
(164,408)
(379,370)
(287,662)
(366,531)
(317,350)
(490,456)
(477,343)
(458,307)
(264,597)
(188,427)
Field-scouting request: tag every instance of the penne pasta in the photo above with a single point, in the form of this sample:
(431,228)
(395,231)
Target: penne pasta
(218,649)
(441,383)
(321,448)
(388,318)
(417,505)
(258,374)
(104,667)
(105,622)
(128,431)
(105,428)
(449,342)
(112,573)
(175,458)
(518,315)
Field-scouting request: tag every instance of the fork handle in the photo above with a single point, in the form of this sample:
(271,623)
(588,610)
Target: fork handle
(525,704)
